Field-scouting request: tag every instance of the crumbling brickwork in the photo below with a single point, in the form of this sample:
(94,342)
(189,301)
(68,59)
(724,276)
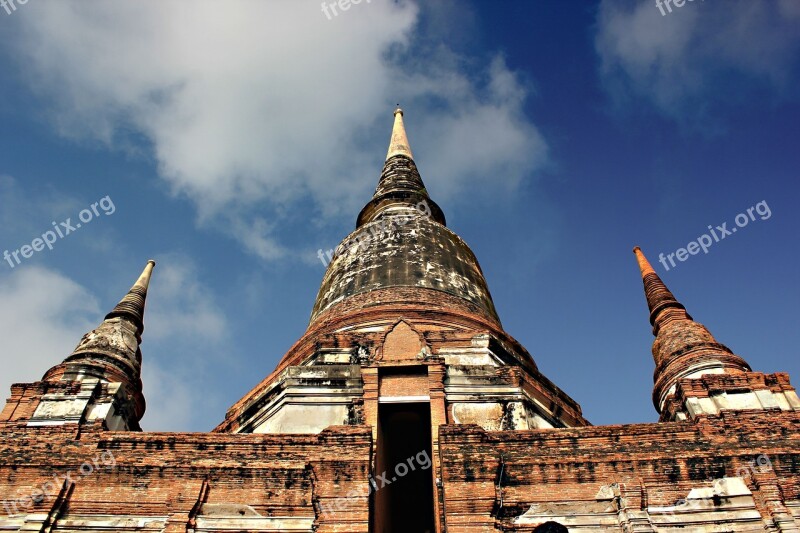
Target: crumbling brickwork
(618,477)
(178,481)
(405,359)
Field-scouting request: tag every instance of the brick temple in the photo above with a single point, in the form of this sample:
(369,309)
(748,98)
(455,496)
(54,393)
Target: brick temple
(405,407)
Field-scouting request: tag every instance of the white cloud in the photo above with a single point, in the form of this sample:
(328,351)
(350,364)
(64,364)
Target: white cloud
(42,317)
(180,306)
(252,106)
(173,404)
(43,314)
(481,139)
(182,320)
(684,61)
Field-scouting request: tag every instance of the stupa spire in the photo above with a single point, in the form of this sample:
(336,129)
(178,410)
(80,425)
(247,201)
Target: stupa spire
(400,189)
(682,347)
(132,304)
(111,355)
(659,297)
(398,145)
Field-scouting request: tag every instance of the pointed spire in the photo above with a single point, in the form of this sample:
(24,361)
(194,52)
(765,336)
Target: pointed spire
(659,297)
(682,348)
(111,354)
(400,188)
(398,145)
(132,305)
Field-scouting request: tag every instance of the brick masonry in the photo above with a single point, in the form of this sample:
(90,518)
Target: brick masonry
(406,318)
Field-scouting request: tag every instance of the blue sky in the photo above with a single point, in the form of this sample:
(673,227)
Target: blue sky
(235,140)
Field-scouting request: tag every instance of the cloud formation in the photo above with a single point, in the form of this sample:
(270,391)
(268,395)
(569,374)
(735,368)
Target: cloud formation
(683,62)
(250,107)
(184,329)
(178,302)
(43,316)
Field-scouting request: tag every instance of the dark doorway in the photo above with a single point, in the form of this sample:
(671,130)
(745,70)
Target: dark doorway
(404,463)
(551,527)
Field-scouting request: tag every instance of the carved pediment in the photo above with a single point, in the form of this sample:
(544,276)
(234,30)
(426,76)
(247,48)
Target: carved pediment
(403,343)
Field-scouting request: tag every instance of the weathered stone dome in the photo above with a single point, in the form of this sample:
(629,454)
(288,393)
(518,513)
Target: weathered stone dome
(401,240)
(407,249)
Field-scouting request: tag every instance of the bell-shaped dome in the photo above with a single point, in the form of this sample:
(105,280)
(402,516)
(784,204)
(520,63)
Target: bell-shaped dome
(401,240)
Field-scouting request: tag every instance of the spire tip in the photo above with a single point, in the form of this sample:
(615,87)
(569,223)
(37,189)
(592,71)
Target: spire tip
(399,141)
(644,264)
(132,305)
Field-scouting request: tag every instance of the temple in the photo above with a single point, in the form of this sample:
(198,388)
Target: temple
(404,407)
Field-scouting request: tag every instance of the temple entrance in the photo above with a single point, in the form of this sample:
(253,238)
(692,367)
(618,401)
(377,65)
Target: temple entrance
(551,527)
(404,469)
